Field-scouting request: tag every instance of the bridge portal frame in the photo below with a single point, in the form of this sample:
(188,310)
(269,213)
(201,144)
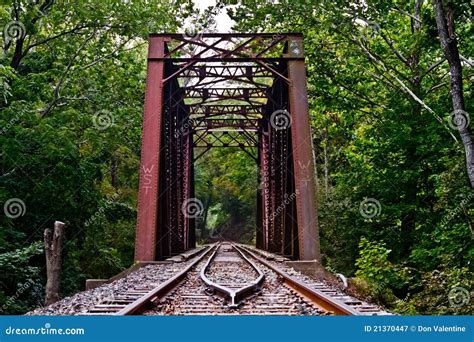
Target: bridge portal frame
(170,126)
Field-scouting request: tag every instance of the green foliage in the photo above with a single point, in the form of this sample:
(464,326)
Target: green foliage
(431,293)
(373,264)
(226,182)
(382,276)
(70,124)
(379,103)
(83,64)
(20,286)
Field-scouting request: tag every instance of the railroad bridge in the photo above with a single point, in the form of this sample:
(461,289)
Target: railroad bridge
(227,90)
(208,91)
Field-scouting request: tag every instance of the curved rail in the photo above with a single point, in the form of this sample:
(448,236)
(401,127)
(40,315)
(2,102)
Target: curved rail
(319,298)
(235,295)
(159,291)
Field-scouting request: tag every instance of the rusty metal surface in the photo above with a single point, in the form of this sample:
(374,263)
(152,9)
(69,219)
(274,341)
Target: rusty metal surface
(222,91)
(150,156)
(318,297)
(140,304)
(235,294)
(308,234)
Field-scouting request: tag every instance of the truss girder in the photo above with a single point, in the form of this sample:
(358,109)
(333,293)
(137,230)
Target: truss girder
(223,91)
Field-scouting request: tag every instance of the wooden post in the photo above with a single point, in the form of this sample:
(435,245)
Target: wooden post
(53,241)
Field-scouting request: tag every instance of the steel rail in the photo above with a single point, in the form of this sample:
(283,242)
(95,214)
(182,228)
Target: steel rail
(319,298)
(234,295)
(162,289)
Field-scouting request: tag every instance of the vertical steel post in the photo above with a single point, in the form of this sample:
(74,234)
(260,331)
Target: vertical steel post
(266,198)
(192,222)
(308,230)
(287,228)
(259,210)
(145,242)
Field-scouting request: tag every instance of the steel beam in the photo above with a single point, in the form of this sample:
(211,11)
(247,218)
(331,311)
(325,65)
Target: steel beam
(145,243)
(199,114)
(302,151)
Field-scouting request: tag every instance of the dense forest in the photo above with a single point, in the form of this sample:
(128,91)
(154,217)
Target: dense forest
(390,92)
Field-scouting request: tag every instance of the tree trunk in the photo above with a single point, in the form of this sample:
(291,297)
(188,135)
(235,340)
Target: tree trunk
(408,219)
(18,55)
(53,250)
(444,16)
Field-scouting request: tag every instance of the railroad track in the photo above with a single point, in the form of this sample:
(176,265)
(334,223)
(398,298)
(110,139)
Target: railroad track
(323,295)
(136,299)
(230,279)
(206,290)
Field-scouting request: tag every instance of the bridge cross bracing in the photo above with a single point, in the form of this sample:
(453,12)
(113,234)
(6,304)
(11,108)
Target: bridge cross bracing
(212,90)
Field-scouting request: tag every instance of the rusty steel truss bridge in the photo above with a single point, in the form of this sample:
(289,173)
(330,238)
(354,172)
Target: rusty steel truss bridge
(227,90)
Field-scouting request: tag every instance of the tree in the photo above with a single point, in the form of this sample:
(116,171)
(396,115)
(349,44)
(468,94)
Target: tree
(378,87)
(445,20)
(71,99)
